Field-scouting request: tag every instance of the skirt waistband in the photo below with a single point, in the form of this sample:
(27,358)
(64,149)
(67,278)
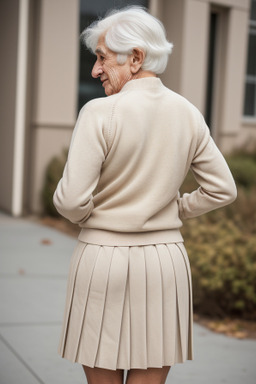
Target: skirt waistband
(110,238)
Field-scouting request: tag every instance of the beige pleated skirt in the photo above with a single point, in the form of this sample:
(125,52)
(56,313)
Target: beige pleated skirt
(128,307)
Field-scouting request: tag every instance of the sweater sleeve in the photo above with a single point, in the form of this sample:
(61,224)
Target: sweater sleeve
(217,186)
(73,197)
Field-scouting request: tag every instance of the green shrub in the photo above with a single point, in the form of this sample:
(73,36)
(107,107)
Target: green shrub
(222,249)
(223,265)
(245,152)
(52,175)
(243,169)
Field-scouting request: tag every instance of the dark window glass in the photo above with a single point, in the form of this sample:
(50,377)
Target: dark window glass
(253,10)
(90,88)
(249,99)
(250,84)
(211,61)
(251,63)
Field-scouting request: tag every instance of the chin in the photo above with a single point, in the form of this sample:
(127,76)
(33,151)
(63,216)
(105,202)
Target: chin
(109,92)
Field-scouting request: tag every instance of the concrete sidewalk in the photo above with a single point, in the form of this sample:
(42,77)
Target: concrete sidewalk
(33,269)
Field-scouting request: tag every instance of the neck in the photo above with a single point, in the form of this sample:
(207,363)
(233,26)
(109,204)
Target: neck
(140,74)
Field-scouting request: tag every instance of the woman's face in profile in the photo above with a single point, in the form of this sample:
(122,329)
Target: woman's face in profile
(112,74)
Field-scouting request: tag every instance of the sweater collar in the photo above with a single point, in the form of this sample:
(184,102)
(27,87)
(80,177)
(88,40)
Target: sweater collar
(143,83)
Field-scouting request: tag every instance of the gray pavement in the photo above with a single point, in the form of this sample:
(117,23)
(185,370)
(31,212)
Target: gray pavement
(34,263)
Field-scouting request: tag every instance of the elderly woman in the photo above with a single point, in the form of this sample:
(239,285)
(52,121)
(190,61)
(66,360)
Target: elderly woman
(129,302)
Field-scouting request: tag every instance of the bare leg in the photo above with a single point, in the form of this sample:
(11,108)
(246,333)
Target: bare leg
(103,376)
(147,376)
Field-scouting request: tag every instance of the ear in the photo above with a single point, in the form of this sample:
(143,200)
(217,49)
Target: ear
(137,59)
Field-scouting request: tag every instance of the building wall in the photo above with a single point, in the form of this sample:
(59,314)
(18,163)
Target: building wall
(9,15)
(53,56)
(172,15)
(54,88)
(186,72)
(232,98)
(187,23)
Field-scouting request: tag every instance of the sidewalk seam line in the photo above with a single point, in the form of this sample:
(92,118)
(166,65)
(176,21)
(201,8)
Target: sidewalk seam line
(21,360)
(29,324)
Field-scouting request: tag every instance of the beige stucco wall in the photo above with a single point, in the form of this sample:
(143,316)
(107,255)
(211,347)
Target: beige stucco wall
(247,134)
(187,23)
(9,13)
(187,68)
(54,93)
(172,15)
(195,52)
(235,67)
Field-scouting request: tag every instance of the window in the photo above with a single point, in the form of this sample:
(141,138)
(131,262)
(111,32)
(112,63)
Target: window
(250,86)
(211,66)
(90,88)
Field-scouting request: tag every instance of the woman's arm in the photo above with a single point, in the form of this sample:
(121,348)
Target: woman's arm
(217,186)
(73,196)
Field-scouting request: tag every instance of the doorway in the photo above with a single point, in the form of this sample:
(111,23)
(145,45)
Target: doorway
(217,40)
(211,66)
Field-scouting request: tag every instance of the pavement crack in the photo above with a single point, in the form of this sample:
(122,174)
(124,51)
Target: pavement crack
(22,361)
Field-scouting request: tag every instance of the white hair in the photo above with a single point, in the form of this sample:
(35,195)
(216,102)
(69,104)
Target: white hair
(129,28)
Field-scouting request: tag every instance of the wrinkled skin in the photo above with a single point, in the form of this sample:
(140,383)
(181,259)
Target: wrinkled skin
(114,75)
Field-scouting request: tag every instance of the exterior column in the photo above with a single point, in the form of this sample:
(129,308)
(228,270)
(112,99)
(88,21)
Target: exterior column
(234,79)
(13,45)
(195,52)
(55,88)
(20,110)
(187,23)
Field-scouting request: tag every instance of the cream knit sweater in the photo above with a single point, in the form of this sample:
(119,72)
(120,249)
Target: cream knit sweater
(128,157)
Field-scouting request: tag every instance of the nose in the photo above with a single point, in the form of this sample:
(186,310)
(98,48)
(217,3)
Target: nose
(96,70)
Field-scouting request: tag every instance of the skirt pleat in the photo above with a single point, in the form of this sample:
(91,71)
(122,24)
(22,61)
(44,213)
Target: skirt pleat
(113,311)
(190,313)
(128,307)
(137,287)
(169,305)
(154,307)
(81,287)
(182,301)
(94,310)
(124,352)
(77,254)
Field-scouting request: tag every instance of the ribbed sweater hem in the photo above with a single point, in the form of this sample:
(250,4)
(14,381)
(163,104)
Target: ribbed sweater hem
(123,239)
